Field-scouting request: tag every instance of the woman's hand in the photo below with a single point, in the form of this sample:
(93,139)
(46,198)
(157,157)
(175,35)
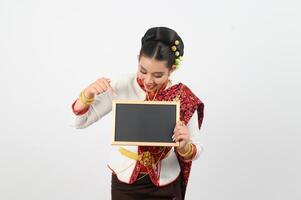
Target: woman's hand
(181,135)
(99,86)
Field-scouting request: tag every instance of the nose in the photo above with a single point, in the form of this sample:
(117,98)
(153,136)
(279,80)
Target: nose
(148,80)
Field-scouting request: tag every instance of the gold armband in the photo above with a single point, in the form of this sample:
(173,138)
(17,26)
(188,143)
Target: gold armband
(188,154)
(85,100)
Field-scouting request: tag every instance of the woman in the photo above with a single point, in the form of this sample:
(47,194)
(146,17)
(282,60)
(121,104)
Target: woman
(165,175)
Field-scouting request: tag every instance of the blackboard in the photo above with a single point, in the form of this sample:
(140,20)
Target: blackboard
(144,123)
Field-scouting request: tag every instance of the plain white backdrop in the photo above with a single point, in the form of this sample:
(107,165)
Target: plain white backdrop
(242,58)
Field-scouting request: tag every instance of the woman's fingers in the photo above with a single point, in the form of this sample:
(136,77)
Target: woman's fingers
(174,137)
(182,137)
(180,123)
(178,126)
(109,87)
(180,129)
(104,83)
(95,90)
(101,86)
(179,134)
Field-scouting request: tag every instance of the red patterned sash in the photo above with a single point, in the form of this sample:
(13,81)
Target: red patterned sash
(189,103)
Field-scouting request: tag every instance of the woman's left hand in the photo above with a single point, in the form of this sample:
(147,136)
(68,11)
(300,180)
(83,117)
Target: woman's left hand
(181,135)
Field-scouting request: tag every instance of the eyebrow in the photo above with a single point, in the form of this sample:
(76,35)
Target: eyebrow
(153,72)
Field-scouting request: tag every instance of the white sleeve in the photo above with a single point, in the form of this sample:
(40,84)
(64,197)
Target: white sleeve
(101,106)
(195,136)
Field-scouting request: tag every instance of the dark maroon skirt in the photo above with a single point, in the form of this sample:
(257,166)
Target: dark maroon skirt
(144,189)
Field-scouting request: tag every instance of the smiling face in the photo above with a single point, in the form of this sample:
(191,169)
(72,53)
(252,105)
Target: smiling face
(153,73)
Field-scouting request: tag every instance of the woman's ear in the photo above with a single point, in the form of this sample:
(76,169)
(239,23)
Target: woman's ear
(173,68)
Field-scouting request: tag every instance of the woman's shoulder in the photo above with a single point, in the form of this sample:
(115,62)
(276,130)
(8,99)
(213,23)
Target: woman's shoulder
(188,91)
(182,86)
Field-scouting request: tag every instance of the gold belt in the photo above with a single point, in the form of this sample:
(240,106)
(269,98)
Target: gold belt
(146,158)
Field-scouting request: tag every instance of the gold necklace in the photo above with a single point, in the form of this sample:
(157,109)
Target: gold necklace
(154,96)
(156,92)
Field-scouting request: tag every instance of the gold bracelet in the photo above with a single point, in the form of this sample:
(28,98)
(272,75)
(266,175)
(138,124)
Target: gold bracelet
(191,152)
(89,99)
(82,95)
(84,99)
(85,102)
(186,154)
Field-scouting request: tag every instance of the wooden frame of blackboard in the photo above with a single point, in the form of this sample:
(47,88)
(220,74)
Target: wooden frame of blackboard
(139,102)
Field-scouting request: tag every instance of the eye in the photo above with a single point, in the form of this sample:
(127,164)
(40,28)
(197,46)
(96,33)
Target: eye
(142,72)
(158,75)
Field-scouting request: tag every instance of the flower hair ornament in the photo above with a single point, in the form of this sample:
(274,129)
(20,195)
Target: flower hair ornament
(177,54)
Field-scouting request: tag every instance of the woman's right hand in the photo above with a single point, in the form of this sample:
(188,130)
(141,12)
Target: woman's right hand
(99,86)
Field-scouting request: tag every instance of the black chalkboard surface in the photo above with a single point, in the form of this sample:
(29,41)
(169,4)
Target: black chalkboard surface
(144,123)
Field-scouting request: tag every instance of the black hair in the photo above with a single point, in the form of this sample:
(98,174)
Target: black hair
(157,43)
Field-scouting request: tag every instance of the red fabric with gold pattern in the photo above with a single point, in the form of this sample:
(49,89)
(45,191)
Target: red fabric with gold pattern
(79,112)
(189,103)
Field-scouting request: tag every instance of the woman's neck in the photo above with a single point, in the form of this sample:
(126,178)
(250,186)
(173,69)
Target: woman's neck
(163,86)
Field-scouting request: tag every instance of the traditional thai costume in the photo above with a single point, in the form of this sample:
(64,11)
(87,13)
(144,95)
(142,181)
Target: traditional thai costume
(161,173)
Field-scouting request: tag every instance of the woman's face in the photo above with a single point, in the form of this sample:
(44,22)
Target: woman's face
(153,73)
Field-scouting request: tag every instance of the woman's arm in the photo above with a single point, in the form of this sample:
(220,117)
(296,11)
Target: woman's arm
(84,115)
(189,138)
(101,106)
(195,135)
(78,106)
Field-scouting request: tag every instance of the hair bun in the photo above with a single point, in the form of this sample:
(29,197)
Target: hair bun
(165,41)
(162,34)
(150,35)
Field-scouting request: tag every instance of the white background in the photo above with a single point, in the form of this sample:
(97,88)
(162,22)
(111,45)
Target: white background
(242,58)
